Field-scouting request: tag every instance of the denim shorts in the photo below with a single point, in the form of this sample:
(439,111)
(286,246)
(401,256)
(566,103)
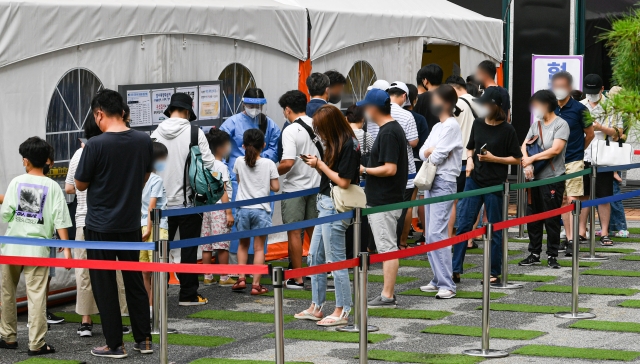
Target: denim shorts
(250,219)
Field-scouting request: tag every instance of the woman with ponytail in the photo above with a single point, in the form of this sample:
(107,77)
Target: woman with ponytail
(256,177)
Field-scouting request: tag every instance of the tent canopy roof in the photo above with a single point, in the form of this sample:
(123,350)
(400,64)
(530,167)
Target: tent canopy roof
(29,28)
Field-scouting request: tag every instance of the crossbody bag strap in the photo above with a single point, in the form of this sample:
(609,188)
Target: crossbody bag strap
(193,140)
(542,140)
(313,136)
(475,116)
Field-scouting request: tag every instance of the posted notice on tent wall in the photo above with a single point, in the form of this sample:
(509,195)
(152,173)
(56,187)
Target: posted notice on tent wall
(544,67)
(139,102)
(209,102)
(193,92)
(159,102)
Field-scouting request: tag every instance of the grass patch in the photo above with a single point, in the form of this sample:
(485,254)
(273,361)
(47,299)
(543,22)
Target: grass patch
(514,277)
(578,353)
(477,332)
(393,356)
(624,240)
(630,257)
(238,316)
(563,263)
(376,278)
(606,326)
(612,273)
(333,336)
(630,304)
(414,263)
(77,319)
(47,361)
(589,290)
(520,307)
(459,294)
(408,314)
(295,294)
(241,361)
(481,251)
(189,340)
(609,250)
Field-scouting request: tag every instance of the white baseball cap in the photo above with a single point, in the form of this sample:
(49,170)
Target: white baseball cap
(380,85)
(402,86)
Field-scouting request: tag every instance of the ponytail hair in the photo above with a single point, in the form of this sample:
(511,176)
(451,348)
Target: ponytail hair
(253,141)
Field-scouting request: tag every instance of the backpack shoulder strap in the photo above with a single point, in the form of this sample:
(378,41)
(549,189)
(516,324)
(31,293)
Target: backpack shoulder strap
(475,116)
(193,141)
(312,135)
(194,136)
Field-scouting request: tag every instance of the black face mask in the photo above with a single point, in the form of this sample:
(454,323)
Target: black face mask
(46,169)
(334,99)
(436,110)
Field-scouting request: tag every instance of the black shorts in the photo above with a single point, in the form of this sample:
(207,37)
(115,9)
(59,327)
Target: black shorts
(604,184)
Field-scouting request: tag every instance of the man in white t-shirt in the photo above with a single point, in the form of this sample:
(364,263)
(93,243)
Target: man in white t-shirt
(399,94)
(297,176)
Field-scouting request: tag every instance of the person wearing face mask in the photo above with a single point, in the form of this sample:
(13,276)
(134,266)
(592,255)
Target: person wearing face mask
(492,146)
(430,77)
(486,76)
(581,134)
(444,149)
(336,86)
(610,127)
(551,133)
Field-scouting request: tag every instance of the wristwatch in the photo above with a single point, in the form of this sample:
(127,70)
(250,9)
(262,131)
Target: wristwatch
(364,171)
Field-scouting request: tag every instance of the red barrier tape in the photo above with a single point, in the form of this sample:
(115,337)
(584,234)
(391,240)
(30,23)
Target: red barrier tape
(532,218)
(322,268)
(636,152)
(377,258)
(135,266)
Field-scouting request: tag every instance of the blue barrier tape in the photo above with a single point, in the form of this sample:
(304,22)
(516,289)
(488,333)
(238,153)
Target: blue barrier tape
(236,204)
(260,232)
(614,198)
(622,167)
(102,245)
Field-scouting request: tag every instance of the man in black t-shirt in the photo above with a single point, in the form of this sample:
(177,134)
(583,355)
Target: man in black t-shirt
(386,181)
(114,168)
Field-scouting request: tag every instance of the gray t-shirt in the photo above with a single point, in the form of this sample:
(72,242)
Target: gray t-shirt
(557,129)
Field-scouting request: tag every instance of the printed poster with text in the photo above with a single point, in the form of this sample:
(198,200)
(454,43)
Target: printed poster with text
(139,103)
(193,92)
(543,67)
(209,102)
(160,100)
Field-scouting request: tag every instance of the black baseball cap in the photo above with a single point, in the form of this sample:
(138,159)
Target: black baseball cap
(592,84)
(491,95)
(182,101)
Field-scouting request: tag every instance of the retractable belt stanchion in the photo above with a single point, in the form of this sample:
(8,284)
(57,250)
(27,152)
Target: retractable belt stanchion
(505,244)
(592,223)
(484,351)
(163,250)
(521,207)
(278,277)
(155,289)
(364,340)
(357,243)
(575,275)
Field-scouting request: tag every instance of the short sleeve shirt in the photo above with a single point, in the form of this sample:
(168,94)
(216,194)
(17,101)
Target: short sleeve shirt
(607,121)
(557,129)
(81,209)
(501,140)
(408,124)
(255,182)
(154,188)
(221,167)
(296,141)
(389,147)
(347,165)
(573,114)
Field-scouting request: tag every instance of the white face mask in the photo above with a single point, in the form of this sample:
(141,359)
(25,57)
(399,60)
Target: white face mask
(252,112)
(561,93)
(593,97)
(482,111)
(537,113)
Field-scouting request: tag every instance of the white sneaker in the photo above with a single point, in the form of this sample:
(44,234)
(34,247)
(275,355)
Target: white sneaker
(445,294)
(563,234)
(429,288)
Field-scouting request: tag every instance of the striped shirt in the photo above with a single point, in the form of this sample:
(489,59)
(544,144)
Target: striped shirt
(408,124)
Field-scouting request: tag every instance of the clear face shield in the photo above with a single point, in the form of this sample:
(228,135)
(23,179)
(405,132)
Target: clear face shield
(254,106)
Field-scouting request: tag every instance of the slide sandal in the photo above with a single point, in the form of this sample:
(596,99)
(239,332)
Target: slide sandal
(337,321)
(306,315)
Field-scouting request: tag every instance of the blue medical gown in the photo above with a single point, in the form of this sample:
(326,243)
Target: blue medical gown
(235,126)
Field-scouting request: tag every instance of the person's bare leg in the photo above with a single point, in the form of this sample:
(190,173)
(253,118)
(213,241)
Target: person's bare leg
(452,218)
(222,256)
(146,278)
(206,257)
(582,229)
(566,218)
(390,272)
(407,221)
(604,213)
(243,253)
(294,247)
(258,256)
(421,216)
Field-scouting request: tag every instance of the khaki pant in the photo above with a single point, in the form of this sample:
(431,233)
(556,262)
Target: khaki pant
(85,302)
(36,284)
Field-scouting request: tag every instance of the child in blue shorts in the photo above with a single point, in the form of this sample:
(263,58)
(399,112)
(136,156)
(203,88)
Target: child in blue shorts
(257,177)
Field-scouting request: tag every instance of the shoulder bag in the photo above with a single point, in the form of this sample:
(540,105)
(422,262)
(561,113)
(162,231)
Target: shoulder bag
(425,176)
(534,148)
(609,153)
(314,138)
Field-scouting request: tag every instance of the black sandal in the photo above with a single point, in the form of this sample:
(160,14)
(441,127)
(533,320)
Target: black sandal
(45,349)
(474,245)
(493,280)
(6,345)
(606,241)
(456,277)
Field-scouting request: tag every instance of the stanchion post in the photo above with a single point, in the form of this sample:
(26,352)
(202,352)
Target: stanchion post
(357,243)
(575,275)
(364,339)
(505,244)
(592,222)
(485,351)
(521,208)
(278,285)
(155,289)
(164,313)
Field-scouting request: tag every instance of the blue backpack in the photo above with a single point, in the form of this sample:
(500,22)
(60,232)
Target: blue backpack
(206,187)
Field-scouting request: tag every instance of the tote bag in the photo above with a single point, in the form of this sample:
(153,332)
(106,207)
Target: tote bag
(425,176)
(610,153)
